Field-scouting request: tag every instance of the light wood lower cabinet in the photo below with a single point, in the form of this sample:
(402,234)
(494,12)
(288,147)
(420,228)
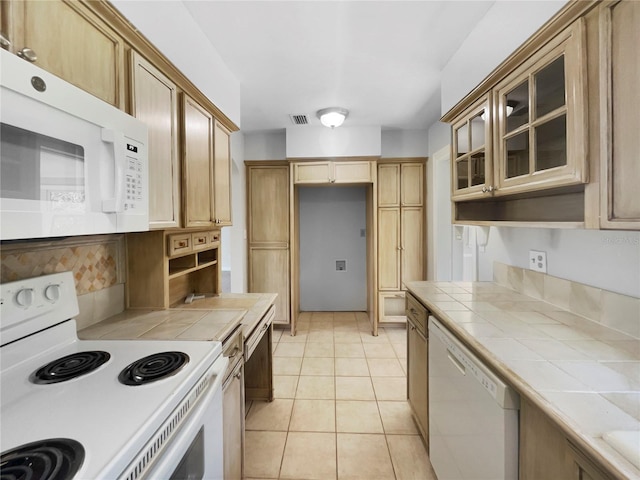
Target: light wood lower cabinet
(417,365)
(70,41)
(233,409)
(269,273)
(154,100)
(545,452)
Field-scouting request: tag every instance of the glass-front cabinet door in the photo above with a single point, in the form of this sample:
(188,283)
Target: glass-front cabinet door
(541,118)
(472,172)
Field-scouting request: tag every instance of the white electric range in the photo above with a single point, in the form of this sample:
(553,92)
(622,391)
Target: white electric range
(103,408)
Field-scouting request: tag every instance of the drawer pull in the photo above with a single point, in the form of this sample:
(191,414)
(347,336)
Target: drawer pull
(238,375)
(235,352)
(182,244)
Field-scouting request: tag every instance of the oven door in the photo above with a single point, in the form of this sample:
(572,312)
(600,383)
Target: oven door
(196,451)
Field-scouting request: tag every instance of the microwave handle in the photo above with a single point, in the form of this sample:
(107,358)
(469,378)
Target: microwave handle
(116,139)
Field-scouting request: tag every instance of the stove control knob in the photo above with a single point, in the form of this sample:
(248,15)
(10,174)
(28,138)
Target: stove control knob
(52,293)
(24,297)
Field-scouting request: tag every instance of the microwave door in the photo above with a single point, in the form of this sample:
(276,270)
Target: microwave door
(54,174)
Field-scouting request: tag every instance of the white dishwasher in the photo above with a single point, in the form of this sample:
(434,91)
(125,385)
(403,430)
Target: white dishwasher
(473,415)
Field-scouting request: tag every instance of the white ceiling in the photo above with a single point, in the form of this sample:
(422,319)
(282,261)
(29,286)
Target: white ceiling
(379,59)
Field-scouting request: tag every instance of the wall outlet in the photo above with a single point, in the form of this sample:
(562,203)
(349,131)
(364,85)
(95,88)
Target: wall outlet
(341,265)
(538,261)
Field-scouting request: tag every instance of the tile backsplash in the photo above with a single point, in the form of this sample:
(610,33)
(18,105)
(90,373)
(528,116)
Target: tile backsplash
(97,263)
(613,310)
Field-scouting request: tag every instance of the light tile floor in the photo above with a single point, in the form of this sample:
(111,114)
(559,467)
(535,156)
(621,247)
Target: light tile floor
(340,409)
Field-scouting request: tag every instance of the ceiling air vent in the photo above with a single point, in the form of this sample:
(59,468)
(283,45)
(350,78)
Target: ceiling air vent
(299,119)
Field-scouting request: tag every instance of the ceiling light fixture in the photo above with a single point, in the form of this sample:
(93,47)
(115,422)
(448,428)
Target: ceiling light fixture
(332,117)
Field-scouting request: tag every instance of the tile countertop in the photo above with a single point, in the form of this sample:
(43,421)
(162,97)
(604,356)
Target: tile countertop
(584,375)
(212,318)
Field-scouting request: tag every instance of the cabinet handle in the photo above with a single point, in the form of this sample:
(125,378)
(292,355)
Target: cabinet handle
(238,375)
(235,352)
(28,54)
(4,41)
(182,244)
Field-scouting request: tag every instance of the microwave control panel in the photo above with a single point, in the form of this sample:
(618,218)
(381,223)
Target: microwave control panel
(133,180)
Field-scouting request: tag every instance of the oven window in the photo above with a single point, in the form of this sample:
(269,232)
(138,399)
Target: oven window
(38,167)
(192,464)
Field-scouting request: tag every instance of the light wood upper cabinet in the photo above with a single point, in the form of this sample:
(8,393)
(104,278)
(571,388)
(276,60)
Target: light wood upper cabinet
(411,184)
(541,118)
(472,165)
(154,100)
(71,42)
(222,174)
(389,185)
(198,185)
(324,172)
(268,191)
(620,116)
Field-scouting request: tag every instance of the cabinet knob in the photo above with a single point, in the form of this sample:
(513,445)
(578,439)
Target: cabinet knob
(28,54)
(484,189)
(4,41)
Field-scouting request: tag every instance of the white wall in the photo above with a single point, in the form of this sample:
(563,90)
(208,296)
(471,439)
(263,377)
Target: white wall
(170,27)
(234,238)
(405,143)
(313,142)
(265,146)
(604,259)
(331,220)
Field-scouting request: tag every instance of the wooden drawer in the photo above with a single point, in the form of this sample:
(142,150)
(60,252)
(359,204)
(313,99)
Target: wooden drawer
(178,244)
(418,313)
(200,240)
(261,329)
(232,348)
(214,237)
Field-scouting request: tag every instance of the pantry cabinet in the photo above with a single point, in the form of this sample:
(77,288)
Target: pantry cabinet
(400,227)
(154,100)
(620,116)
(268,233)
(67,39)
(198,165)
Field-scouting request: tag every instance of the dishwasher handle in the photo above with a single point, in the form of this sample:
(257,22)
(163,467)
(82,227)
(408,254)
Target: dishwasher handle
(458,364)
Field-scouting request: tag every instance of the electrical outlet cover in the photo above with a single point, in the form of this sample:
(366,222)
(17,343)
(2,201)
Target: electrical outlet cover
(538,261)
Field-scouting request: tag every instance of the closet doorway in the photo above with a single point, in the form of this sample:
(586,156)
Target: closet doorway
(333,248)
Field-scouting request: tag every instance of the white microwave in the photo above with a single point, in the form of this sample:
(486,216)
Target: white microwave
(71,164)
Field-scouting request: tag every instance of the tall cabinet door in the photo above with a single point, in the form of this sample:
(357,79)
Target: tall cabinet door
(268,225)
(222,175)
(388,185)
(198,165)
(154,101)
(70,42)
(411,185)
(389,249)
(412,246)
